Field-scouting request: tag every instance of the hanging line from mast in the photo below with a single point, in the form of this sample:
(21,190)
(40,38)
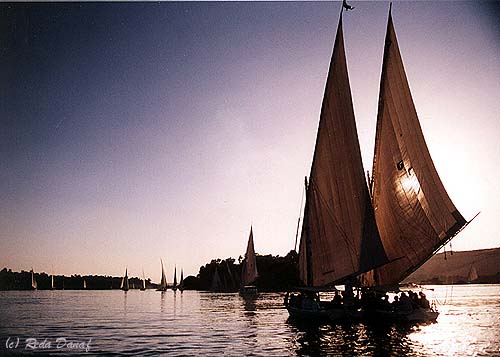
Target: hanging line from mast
(298,221)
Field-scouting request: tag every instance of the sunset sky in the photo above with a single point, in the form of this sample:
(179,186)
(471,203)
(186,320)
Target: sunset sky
(134,131)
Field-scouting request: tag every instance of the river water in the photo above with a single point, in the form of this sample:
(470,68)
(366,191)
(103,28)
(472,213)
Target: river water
(203,323)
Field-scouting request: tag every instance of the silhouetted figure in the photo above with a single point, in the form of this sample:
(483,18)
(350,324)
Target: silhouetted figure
(337,299)
(423,301)
(346,6)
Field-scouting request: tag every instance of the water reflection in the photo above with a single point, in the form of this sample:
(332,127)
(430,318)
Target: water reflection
(353,339)
(175,304)
(249,303)
(229,324)
(124,303)
(162,301)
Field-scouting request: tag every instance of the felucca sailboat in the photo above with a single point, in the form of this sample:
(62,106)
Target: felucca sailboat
(163,282)
(181,282)
(472,276)
(249,271)
(34,284)
(174,286)
(124,284)
(143,288)
(376,234)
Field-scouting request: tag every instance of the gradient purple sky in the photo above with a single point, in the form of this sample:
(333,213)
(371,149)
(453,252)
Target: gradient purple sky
(134,131)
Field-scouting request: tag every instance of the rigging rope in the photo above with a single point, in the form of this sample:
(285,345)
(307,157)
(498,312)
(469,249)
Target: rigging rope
(298,222)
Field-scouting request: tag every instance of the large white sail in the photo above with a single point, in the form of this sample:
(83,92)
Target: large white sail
(339,235)
(414,214)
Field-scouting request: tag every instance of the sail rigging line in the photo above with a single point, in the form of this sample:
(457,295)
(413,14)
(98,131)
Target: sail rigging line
(298,222)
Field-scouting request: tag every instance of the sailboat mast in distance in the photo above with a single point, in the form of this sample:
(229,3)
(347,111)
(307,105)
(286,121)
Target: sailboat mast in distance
(339,237)
(414,214)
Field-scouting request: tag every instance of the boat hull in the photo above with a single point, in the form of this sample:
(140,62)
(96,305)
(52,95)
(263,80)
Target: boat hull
(316,315)
(249,290)
(377,316)
(416,315)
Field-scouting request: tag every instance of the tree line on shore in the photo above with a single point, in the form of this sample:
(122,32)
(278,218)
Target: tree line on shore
(276,273)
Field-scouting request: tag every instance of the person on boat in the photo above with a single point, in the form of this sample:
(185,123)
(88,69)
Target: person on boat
(310,301)
(348,297)
(423,301)
(383,303)
(395,304)
(337,299)
(405,303)
(295,300)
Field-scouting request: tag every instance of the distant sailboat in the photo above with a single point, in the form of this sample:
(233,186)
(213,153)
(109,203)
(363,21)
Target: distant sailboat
(216,285)
(232,283)
(249,271)
(143,281)
(34,284)
(181,282)
(174,286)
(84,284)
(124,284)
(52,281)
(472,274)
(163,282)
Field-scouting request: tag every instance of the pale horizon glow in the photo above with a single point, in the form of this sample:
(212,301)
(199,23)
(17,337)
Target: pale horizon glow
(132,132)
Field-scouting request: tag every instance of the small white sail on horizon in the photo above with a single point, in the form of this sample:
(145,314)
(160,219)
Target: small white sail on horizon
(472,274)
(163,282)
(216,285)
(34,284)
(143,281)
(124,284)
(174,286)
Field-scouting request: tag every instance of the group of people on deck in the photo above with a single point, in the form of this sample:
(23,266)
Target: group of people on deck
(405,301)
(367,299)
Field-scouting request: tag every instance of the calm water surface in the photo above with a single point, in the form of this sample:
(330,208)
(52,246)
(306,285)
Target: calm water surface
(202,323)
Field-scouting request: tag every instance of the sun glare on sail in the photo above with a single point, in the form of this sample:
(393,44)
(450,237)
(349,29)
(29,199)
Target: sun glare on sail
(410,182)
